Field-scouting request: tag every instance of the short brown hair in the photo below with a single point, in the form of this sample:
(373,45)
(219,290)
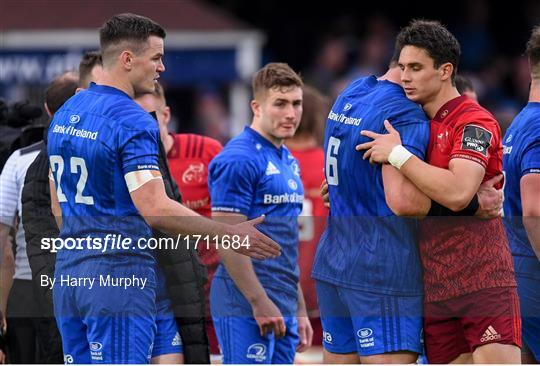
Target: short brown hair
(533,52)
(127,28)
(315,108)
(89,60)
(275,75)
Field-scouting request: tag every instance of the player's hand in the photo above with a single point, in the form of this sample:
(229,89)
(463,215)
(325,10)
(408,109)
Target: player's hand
(3,328)
(490,199)
(324,194)
(3,323)
(305,332)
(260,245)
(268,317)
(380,148)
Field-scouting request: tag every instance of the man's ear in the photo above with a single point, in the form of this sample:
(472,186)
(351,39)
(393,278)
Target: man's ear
(256,108)
(166,115)
(126,59)
(47,110)
(446,71)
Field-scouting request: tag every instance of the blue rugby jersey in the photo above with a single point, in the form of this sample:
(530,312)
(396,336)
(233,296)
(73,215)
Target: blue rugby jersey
(252,177)
(97,137)
(521,156)
(365,246)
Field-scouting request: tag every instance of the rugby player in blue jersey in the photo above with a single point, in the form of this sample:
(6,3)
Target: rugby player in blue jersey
(367,267)
(103,152)
(521,163)
(257,306)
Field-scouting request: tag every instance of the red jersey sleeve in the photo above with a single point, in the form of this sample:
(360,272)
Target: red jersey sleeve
(211,149)
(476,138)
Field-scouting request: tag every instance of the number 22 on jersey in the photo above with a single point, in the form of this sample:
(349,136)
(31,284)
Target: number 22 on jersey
(77,166)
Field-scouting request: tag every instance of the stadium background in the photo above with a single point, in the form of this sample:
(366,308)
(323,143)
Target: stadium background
(214,46)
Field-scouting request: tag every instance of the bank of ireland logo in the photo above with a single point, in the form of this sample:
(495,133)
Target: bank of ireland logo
(74,118)
(95,351)
(293,185)
(95,346)
(257,352)
(365,332)
(347,107)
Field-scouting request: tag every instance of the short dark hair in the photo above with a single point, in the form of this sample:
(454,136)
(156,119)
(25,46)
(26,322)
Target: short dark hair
(463,83)
(315,108)
(89,60)
(131,28)
(435,39)
(61,89)
(275,75)
(159,92)
(533,52)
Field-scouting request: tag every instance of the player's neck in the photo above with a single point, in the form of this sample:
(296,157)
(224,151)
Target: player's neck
(275,141)
(446,94)
(393,74)
(108,78)
(534,93)
(168,142)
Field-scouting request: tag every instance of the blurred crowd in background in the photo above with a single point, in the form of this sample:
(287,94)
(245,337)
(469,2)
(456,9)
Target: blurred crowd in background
(332,45)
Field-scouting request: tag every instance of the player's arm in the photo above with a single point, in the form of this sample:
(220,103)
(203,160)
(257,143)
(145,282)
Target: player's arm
(167,215)
(305,331)
(530,202)
(9,191)
(138,150)
(453,187)
(55,205)
(402,196)
(7,269)
(240,268)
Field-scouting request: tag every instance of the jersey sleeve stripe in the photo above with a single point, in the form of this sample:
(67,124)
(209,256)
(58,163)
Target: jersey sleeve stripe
(201,148)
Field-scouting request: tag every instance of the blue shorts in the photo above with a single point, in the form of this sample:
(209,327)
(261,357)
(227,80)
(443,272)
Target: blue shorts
(167,338)
(368,323)
(529,301)
(238,333)
(106,323)
(241,342)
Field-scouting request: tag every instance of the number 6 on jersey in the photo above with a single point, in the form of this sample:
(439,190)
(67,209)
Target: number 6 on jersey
(331,161)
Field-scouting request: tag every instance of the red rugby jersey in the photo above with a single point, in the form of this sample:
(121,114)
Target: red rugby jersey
(188,160)
(312,219)
(464,254)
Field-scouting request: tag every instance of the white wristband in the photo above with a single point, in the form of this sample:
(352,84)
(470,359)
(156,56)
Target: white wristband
(399,156)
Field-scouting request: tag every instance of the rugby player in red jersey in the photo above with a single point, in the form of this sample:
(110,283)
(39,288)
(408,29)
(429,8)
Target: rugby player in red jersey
(188,156)
(471,304)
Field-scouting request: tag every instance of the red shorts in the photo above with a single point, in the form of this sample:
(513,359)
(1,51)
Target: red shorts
(461,324)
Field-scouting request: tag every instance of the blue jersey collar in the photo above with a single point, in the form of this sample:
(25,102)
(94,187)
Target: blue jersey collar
(106,89)
(263,140)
